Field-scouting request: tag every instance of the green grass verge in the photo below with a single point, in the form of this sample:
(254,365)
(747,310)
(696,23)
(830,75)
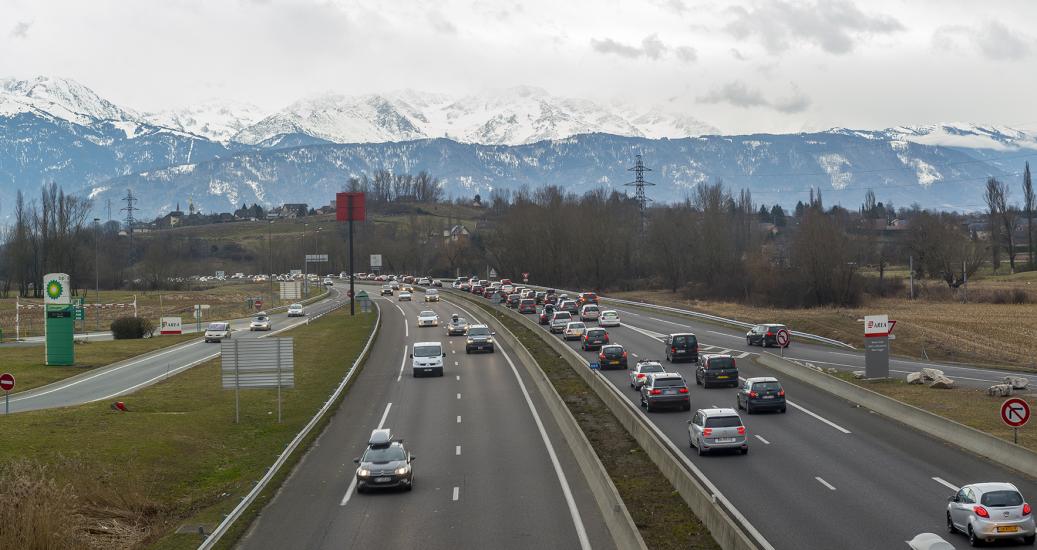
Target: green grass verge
(658,511)
(177,458)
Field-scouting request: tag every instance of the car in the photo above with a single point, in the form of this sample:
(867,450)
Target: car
(408,280)
(408,288)
(587,298)
(428,318)
(477,289)
(456,284)
(574,330)
(559,320)
(465,286)
(431,295)
(404,296)
(765,335)
(480,338)
(458,326)
(682,346)
(551,299)
(985,512)
(384,464)
(594,338)
(717,370)
(641,370)
(608,318)
(424,281)
(590,312)
(527,305)
(261,322)
(612,356)
(570,306)
(328,281)
(513,300)
(387,290)
(395,285)
(665,389)
(437,283)
(296,310)
(217,332)
(716,429)
(427,358)
(761,393)
(539,296)
(545,314)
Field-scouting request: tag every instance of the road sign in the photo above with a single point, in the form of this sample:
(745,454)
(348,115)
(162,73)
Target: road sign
(170,325)
(876,326)
(78,313)
(350,207)
(376,261)
(259,304)
(221,274)
(316,258)
(255,363)
(6,381)
(525,277)
(782,338)
(1015,412)
(493,273)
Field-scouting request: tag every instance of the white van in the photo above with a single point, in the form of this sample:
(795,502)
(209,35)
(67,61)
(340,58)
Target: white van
(427,358)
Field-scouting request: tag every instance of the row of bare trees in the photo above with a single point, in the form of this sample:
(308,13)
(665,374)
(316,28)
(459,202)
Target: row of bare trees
(385,186)
(1003,220)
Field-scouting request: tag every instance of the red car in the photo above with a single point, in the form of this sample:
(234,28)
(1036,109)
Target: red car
(527,305)
(587,298)
(477,290)
(545,314)
(551,299)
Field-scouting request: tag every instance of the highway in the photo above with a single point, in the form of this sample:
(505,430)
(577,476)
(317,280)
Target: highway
(490,471)
(825,475)
(130,375)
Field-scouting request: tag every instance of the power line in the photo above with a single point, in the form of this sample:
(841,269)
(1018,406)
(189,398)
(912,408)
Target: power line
(639,184)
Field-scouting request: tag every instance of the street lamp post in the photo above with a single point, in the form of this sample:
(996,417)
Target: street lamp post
(97,276)
(305,263)
(269,257)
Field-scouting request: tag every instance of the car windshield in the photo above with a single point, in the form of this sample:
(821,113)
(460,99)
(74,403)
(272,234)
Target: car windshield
(612,351)
(723,422)
(478,331)
(562,315)
(595,333)
(1001,498)
(590,308)
(259,319)
(459,321)
(528,302)
(775,328)
(427,351)
(218,326)
(652,367)
(579,326)
(427,314)
(668,383)
(766,386)
(295,306)
(721,363)
(684,340)
(385,454)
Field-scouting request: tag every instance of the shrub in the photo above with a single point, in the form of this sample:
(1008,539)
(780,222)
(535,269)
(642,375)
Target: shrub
(127,328)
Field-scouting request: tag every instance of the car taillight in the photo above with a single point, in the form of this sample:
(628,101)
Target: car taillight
(753,394)
(586,337)
(696,348)
(706,432)
(1026,508)
(641,375)
(624,355)
(981,512)
(683,390)
(781,393)
(770,334)
(601,356)
(606,337)
(673,349)
(656,392)
(741,430)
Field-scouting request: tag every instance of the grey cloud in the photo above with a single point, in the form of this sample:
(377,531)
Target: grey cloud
(737,54)
(651,47)
(440,23)
(834,26)
(609,45)
(991,39)
(21,29)
(796,103)
(738,94)
(686,53)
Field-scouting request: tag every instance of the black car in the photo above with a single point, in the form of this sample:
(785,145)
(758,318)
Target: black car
(683,346)
(665,389)
(513,300)
(612,356)
(761,394)
(527,305)
(594,338)
(480,338)
(385,464)
(765,335)
(717,370)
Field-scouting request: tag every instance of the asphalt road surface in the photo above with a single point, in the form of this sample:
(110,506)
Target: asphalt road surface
(826,474)
(130,375)
(488,473)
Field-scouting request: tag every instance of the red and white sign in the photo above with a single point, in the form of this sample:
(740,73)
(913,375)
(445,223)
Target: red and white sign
(782,338)
(525,277)
(878,325)
(1015,412)
(6,381)
(170,325)
(350,207)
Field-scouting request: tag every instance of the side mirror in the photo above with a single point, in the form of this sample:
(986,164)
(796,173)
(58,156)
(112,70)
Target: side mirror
(356,461)
(689,422)
(494,333)
(412,355)
(413,458)
(444,354)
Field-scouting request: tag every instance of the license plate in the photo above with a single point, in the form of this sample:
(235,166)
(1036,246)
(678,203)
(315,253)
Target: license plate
(1007,529)
(722,376)
(768,397)
(613,362)
(381,479)
(725,440)
(428,370)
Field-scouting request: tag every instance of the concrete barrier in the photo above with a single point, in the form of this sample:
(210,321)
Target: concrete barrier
(727,525)
(621,526)
(970,439)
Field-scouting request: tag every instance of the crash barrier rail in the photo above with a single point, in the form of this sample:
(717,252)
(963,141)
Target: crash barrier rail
(221,529)
(729,527)
(981,443)
(614,511)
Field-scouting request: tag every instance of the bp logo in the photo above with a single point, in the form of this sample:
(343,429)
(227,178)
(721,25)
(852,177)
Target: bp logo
(54,289)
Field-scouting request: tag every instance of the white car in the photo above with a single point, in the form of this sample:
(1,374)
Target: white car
(987,511)
(574,330)
(427,358)
(217,332)
(431,295)
(608,318)
(428,318)
(424,281)
(404,296)
(639,374)
(261,322)
(295,310)
(590,312)
(328,281)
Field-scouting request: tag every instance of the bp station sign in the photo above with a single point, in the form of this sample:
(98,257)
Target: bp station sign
(59,322)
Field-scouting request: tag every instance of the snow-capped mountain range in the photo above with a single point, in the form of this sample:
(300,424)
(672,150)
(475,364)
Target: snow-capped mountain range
(222,153)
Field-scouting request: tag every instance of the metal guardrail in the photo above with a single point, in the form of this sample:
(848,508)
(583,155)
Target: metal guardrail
(221,529)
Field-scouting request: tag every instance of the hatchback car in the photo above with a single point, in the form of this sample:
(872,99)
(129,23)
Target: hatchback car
(608,318)
(513,300)
(551,299)
(404,296)
(590,312)
(985,512)
(558,321)
(296,310)
(665,389)
(574,330)
(431,295)
(570,306)
(428,318)
(715,429)
(641,370)
(480,338)
(527,305)
(261,322)
(546,313)
(765,335)
(594,339)
(717,370)
(457,326)
(539,296)
(612,356)
(384,464)
(683,346)
(217,332)
(587,298)
(761,394)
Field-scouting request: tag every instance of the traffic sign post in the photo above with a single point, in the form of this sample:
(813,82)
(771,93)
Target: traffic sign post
(7,384)
(782,339)
(877,332)
(1016,413)
(525,277)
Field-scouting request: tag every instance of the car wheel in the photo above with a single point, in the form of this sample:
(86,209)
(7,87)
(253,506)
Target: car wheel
(643,404)
(698,449)
(467,351)
(748,408)
(697,381)
(973,539)
(747,341)
(1030,540)
(687,407)
(783,410)
(738,404)
(745,451)
(950,525)
(360,489)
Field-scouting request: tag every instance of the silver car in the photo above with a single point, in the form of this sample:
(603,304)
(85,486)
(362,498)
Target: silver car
(988,511)
(713,429)
(559,320)
(640,372)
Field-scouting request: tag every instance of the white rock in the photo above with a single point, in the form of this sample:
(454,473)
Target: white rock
(859,374)
(1017,382)
(1000,390)
(929,374)
(914,378)
(832,370)
(941,382)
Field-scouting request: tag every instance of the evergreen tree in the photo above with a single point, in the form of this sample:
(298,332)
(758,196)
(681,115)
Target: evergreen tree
(778,215)
(763,215)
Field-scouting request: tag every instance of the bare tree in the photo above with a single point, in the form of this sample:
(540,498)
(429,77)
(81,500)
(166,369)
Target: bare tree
(994,197)
(1028,204)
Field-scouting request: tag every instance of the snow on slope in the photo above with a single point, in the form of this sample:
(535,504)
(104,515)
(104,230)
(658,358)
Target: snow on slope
(61,98)
(213,119)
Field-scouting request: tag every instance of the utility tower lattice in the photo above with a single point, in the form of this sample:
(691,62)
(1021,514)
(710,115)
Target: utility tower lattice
(129,208)
(639,184)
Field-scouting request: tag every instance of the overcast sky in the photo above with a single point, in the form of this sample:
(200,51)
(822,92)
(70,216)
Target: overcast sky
(773,66)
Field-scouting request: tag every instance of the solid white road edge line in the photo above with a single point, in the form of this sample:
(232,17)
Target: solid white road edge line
(822,419)
(352,484)
(457,490)
(403,363)
(765,442)
(946,483)
(457,450)
(825,483)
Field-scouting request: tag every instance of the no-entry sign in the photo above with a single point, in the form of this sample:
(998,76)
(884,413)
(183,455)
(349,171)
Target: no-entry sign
(6,381)
(1015,412)
(782,338)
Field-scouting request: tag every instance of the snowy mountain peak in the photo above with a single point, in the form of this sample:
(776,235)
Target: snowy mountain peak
(217,120)
(62,98)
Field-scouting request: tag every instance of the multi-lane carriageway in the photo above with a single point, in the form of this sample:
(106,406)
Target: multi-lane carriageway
(827,474)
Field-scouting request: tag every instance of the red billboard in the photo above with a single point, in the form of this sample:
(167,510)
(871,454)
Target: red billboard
(350,207)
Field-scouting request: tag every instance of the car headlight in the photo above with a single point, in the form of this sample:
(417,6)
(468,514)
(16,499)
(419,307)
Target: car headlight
(402,470)
(363,472)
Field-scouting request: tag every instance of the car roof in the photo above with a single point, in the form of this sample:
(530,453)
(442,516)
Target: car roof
(428,312)
(716,355)
(761,379)
(612,346)
(989,486)
(607,311)
(416,344)
(667,376)
(719,412)
(672,334)
(478,326)
(380,437)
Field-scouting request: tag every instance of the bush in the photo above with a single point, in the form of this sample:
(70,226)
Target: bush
(127,328)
